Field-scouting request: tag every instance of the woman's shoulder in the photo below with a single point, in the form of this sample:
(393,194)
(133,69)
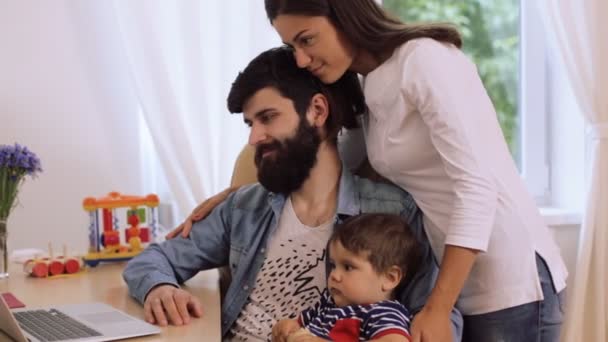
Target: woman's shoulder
(413,60)
(426,60)
(413,56)
(422,49)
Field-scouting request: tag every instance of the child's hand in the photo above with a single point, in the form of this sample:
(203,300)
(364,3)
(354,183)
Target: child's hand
(306,338)
(283,328)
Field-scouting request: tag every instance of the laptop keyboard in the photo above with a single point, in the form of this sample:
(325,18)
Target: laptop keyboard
(53,325)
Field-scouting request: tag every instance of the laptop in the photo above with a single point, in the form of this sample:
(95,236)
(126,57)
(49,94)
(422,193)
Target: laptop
(77,322)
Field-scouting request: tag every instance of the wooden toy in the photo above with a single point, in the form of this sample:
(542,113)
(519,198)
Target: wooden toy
(109,240)
(52,266)
(56,266)
(36,268)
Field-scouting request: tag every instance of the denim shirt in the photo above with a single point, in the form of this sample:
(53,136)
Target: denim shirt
(236,233)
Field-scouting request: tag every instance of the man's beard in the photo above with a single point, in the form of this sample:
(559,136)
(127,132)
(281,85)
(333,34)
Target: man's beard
(289,165)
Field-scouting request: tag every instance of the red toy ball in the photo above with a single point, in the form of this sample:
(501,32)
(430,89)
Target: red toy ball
(36,268)
(56,267)
(72,266)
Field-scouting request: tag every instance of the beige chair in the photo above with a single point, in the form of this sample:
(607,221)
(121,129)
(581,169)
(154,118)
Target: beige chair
(244,171)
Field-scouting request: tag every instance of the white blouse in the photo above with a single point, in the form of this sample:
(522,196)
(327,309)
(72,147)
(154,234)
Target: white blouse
(433,130)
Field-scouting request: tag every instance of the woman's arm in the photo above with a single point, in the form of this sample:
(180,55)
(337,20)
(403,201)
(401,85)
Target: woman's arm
(464,131)
(432,323)
(455,267)
(244,173)
(199,213)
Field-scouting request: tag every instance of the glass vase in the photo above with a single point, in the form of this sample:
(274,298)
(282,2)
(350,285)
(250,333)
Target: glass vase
(3,250)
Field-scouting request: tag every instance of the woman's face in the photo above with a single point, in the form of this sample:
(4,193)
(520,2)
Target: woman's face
(317,45)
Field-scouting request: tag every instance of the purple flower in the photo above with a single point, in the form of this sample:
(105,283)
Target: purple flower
(18,160)
(15,162)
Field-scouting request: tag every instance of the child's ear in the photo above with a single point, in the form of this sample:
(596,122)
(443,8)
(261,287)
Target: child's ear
(391,278)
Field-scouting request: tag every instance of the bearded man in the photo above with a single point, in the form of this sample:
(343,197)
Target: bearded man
(272,235)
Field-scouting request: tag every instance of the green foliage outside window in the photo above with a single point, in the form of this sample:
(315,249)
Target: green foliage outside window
(490,32)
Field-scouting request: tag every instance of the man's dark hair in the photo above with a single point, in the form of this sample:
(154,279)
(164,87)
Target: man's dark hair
(277,68)
(385,238)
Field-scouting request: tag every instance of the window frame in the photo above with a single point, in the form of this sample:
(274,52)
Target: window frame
(533,99)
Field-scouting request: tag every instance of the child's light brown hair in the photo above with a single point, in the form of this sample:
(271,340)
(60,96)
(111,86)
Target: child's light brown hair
(386,240)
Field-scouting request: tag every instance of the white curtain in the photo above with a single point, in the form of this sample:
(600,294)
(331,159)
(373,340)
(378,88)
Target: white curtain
(581,32)
(183,57)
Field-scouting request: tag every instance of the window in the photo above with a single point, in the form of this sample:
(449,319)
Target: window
(502,38)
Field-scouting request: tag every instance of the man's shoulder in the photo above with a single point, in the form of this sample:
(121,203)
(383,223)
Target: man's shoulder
(250,197)
(382,197)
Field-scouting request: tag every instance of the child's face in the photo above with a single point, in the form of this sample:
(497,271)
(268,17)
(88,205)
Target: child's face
(353,280)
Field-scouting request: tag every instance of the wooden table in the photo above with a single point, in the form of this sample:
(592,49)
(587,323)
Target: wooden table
(104,284)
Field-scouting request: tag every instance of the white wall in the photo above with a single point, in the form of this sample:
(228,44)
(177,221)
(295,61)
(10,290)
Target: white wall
(52,103)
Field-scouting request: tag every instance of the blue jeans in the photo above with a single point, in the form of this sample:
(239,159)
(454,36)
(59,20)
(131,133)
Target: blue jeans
(533,322)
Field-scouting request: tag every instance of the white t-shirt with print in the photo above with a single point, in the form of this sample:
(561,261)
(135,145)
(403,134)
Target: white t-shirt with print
(291,279)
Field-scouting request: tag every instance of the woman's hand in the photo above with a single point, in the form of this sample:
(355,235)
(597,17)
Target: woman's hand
(199,213)
(432,326)
(432,323)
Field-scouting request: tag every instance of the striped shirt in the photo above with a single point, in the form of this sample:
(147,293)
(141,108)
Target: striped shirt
(355,322)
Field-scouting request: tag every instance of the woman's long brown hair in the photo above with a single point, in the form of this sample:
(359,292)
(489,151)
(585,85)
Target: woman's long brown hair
(365,23)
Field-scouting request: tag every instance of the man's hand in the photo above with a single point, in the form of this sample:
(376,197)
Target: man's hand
(283,328)
(166,303)
(431,326)
(199,213)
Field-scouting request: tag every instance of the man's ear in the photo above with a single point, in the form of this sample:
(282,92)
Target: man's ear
(318,111)
(391,278)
